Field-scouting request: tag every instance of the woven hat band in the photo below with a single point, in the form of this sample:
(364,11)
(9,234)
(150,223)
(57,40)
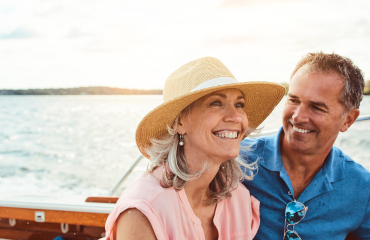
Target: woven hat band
(215,82)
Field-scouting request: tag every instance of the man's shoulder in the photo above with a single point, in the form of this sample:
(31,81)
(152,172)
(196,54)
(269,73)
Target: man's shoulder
(257,138)
(255,142)
(351,168)
(256,146)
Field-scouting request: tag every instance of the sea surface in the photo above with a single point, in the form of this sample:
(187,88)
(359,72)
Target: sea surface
(82,145)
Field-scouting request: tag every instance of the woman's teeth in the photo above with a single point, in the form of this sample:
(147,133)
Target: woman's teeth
(300,130)
(227,135)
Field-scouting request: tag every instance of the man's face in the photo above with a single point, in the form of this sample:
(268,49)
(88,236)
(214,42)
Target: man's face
(312,115)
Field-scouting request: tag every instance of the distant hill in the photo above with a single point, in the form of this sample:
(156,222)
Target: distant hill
(81,91)
(107,91)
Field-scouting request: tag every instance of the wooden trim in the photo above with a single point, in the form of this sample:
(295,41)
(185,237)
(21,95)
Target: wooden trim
(351,237)
(102,199)
(39,231)
(56,216)
(20,234)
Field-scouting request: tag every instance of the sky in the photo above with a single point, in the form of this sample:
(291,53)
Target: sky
(139,43)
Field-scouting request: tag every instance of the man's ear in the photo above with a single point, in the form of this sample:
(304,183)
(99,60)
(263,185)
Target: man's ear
(349,119)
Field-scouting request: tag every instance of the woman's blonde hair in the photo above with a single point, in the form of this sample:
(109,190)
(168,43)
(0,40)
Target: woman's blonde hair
(166,152)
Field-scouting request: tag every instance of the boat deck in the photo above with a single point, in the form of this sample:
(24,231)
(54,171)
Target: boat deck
(46,217)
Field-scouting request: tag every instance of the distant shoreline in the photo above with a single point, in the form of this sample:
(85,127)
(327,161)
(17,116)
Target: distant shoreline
(81,91)
(108,91)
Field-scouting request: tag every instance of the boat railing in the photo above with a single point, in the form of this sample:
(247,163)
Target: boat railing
(127,173)
(137,161)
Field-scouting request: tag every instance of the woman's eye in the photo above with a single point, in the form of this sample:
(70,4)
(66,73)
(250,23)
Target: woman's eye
(240,105)
(216,103)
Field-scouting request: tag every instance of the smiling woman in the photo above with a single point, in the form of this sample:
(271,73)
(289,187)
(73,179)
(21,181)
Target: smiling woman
(215,125)
(192,188)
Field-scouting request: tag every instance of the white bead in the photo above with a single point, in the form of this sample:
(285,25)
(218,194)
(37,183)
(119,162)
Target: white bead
(181,143)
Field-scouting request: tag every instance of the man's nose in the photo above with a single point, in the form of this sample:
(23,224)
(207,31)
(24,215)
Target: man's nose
(301,114)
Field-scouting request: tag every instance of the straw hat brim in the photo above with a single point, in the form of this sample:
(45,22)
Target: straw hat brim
(260,99)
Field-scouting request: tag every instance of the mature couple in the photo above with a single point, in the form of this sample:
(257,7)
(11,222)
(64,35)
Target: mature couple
(199,182)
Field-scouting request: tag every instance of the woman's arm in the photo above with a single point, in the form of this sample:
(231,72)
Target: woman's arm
(133,224)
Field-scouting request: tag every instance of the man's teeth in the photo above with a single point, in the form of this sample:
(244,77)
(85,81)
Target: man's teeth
(300,130)
(228,135)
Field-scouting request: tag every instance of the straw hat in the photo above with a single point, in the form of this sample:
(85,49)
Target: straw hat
(195,80)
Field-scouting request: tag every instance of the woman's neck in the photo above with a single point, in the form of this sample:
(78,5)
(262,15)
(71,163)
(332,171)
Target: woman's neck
(197,190)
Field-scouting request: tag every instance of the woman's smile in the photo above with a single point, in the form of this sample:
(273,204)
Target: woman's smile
(228,134)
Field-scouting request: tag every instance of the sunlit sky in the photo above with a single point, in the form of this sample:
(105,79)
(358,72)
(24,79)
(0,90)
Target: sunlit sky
(138,43)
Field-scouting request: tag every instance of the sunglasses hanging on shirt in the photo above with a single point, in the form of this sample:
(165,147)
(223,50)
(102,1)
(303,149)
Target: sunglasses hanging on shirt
(294,213)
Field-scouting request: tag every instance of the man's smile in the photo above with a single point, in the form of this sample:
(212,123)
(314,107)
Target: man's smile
(301,130)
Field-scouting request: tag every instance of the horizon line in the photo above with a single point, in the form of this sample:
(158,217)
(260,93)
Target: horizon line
(21,89)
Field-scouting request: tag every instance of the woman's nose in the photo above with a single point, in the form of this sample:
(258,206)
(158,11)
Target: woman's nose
(233,115)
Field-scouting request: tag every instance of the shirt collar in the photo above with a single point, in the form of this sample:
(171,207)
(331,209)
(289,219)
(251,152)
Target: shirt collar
(333,167)
(271,154)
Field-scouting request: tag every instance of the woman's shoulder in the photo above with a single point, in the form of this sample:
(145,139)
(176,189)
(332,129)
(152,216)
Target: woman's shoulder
(241,199)
(240,191)
(242,204)
(147,188)
(146,195)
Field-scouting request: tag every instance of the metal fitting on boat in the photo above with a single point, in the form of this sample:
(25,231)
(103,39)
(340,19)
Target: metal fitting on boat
(12,222)
(64,227)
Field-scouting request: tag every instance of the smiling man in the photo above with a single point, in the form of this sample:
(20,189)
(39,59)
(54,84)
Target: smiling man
(308,188)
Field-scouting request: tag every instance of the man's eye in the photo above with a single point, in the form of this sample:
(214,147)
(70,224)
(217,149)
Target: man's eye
(318,109)
(216,103)
(293,100)
(240,105)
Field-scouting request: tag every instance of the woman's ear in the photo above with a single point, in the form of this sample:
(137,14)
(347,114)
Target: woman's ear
(182,121)
(180,128)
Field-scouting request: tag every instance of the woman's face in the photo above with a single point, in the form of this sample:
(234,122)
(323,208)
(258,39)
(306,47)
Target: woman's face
(215,126)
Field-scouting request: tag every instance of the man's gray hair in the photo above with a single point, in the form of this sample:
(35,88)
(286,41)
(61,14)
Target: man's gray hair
(353,77)
(167,153)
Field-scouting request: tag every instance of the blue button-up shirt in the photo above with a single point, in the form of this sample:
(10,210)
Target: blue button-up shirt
(337,197)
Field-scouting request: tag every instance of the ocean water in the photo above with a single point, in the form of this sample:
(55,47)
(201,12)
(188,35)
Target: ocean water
(82,145)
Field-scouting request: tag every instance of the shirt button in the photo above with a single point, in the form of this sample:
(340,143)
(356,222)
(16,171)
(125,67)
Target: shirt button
(289,193)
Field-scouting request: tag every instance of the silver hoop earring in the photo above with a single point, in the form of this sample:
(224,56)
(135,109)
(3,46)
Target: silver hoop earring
(181,141)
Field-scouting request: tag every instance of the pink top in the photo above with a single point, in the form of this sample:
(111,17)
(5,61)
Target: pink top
(172,217)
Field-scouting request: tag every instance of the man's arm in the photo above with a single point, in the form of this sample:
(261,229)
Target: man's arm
(363,232)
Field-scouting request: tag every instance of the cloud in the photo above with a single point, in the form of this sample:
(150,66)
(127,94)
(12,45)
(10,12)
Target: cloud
(18,33)
(70,43)
(75,32)
(243,3)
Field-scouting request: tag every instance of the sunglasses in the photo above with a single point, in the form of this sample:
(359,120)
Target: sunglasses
(294,213)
